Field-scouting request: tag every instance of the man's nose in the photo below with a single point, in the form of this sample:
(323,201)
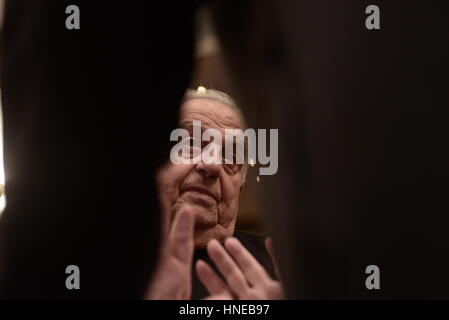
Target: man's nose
(209,171)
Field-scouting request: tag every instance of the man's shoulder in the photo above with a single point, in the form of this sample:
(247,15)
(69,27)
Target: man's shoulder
(255,244)
(249,238)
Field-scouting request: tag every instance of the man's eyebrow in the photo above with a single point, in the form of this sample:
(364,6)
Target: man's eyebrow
(184,124)
(238,143)
(238,139)
(236,134)
(188,125)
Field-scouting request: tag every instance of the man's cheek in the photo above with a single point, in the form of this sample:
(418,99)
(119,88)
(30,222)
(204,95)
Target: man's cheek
(182,171)
(176,175)
(231,191)
(228,213)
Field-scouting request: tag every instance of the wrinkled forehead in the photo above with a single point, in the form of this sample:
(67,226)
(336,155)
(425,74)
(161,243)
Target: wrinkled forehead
(211,113)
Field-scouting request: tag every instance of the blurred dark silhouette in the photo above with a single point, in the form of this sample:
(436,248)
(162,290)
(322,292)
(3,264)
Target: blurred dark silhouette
(362,118)
(87,119)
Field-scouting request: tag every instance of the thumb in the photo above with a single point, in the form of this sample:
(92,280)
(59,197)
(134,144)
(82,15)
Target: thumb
(181,236)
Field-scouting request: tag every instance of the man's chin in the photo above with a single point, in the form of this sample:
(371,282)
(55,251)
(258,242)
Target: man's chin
(205,219)
(202,237)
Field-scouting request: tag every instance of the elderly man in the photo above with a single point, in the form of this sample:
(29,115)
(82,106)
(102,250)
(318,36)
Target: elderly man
(200,202)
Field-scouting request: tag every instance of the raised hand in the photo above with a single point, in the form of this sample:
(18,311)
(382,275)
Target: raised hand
(172,279)
(245,278)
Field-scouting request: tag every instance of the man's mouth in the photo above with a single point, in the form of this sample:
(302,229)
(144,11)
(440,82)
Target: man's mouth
(206,215)
(202,193)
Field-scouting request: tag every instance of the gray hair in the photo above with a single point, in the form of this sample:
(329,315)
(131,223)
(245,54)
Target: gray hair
(212,94)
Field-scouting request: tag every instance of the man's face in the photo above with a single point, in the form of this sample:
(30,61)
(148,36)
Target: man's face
(209,191)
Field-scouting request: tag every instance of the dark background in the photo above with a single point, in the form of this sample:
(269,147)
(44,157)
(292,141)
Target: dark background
(362,125)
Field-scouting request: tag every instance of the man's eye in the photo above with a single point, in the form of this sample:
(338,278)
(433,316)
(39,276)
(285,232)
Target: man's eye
(233,168)
(192,142)
(230,158)
(230,161)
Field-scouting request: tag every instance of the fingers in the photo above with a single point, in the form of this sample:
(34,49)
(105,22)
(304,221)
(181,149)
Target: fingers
(228,268)
(250,267)
(212,282)
(269,246)
(181,236)
(172,278)
(220,296)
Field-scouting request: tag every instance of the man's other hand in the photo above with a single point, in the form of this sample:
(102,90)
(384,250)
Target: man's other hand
(245,278)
